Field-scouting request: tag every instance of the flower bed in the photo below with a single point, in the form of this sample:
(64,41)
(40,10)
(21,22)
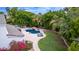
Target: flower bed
(18,46)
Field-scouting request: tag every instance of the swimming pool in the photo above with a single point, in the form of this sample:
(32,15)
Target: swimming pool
(33,31)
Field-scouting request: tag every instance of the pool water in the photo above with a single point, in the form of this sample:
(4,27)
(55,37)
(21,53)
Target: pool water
(33,31)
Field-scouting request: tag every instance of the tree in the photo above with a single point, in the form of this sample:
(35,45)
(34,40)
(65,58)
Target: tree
(20,17)
(1,12)
(12,15)
(46,18)
(52,19)
(7,9)
(70,27)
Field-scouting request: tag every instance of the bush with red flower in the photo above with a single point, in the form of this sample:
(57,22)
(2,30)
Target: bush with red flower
(18,46)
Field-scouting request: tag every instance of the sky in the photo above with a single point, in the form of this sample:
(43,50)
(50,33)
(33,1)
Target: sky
(36,10)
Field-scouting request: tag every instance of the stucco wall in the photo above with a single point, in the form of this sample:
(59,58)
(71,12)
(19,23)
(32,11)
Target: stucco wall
(2,19)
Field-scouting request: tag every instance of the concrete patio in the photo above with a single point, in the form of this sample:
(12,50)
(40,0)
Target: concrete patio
(33,38)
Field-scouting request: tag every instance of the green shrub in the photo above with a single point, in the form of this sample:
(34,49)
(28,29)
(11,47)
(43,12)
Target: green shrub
(74,46)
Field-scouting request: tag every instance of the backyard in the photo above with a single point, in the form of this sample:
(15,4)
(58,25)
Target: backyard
(64,21)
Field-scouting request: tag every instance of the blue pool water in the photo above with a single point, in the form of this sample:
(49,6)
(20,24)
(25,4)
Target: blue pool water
(33,31)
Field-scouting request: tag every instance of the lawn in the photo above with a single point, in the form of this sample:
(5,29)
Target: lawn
(52,43)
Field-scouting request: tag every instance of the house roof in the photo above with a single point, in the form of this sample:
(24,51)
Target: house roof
(12,31)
